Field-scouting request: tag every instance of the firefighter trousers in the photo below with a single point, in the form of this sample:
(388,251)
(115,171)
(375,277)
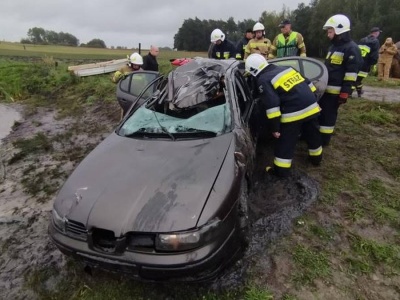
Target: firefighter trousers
(329,104)
(286,143)
(363,73)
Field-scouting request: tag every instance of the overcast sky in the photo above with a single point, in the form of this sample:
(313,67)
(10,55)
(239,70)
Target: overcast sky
(124,22)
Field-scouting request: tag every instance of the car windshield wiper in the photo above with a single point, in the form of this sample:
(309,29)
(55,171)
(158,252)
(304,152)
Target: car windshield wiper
(144,133)
(196,131)
(148,132)
(165,130)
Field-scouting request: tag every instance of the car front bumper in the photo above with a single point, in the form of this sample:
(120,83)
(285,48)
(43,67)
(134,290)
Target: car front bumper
(199,264)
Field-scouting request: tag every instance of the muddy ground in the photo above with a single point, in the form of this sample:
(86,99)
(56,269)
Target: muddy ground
(28,183)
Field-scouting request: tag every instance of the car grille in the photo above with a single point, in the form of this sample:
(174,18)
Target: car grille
(76,229)
(140,242)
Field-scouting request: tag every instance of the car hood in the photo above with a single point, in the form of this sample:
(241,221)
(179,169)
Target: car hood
(141,185)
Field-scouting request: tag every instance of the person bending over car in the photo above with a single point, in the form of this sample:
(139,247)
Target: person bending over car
(135,63)
(291,107)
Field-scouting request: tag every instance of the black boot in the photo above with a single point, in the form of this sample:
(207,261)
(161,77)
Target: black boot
(278,172)
(315,160)
(359,92)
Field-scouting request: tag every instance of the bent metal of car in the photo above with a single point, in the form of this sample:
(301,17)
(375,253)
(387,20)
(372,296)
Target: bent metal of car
(165,195)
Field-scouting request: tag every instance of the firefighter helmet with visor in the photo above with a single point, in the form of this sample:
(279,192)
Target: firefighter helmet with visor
(216,35)
(339,23)
(255,63)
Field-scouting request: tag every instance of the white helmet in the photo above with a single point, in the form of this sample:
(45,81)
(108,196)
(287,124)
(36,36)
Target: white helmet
(216,35)
(258,26)
(255,63)
(136,59)
(340,23)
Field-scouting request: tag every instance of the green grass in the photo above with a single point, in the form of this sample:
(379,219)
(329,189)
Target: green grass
(40,143)
(367,255)
(258,293)
(310,264)
(83,53)
(373,81)
(72,283)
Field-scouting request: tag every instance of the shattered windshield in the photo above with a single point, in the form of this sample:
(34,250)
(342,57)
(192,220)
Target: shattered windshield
(215,120)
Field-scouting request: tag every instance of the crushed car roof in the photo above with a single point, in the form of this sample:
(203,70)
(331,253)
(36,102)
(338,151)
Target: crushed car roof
(196,81)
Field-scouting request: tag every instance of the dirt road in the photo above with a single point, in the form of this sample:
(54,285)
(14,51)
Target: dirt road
(381,94)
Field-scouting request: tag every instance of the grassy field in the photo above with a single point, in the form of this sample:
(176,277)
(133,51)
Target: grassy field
(81,53)
(347,246)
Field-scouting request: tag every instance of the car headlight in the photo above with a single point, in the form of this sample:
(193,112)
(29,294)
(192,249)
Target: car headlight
(58,221)
(181,241)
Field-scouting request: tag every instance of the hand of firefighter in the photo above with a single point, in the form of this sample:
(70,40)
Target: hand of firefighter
(343,98)
(276,135)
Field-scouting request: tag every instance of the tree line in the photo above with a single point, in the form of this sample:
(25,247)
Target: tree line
(40,36)
(194,34)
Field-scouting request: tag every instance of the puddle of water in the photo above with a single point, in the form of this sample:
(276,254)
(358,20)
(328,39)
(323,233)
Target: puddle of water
(8,116)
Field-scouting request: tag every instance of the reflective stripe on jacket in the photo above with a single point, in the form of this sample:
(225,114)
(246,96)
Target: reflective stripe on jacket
(261,46)
(224,50)
(290,45)
(286,94)
(343,62)
(369,46)
(241,47)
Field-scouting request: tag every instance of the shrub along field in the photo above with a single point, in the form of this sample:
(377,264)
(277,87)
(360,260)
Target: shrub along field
(346,246)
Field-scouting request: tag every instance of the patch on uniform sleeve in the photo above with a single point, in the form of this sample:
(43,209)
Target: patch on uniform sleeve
(260,89)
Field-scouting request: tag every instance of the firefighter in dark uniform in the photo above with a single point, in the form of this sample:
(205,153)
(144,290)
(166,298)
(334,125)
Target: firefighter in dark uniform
(343,62)
(241,45)
(223,48)
(369,47)
(291,107)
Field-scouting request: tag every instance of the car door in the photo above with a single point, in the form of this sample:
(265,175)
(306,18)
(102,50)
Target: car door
(244,106)
(139,84)
(310,68)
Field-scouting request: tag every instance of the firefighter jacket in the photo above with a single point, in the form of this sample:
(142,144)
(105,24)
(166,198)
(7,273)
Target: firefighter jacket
(240,47)
(343,62)
(261,46)
(224,50)
(387,51)
(369,47)
(122,73)
(291,44)
(150,63)
(286,95)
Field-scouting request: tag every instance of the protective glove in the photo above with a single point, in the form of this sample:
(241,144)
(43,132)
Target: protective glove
(343,98)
